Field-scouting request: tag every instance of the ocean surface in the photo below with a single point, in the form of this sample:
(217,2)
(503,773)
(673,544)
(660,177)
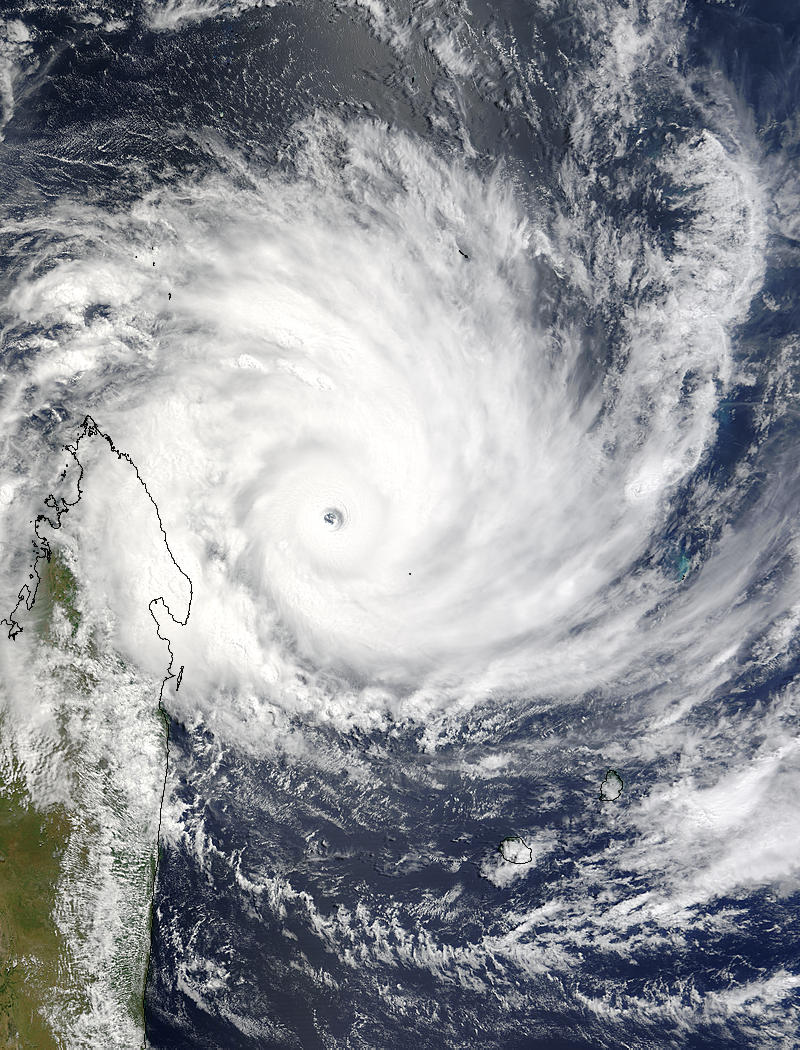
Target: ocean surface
(456,347)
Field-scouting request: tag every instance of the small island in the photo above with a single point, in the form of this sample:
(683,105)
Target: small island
(515,850)
(611,788)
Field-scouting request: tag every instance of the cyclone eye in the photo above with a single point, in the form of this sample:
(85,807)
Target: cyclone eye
(333,518)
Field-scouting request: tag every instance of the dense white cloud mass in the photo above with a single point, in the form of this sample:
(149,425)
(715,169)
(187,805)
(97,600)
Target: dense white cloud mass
(419,434)
(375,463)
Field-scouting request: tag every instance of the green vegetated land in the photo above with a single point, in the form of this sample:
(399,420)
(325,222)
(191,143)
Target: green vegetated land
(32,956)
(58,589)
(32,845)
(76,878)
(42,982)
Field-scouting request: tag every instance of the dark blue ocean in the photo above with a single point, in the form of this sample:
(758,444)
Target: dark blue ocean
(342,887)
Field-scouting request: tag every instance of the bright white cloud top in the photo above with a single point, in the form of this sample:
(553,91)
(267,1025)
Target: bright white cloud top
(364,335)
(425,443)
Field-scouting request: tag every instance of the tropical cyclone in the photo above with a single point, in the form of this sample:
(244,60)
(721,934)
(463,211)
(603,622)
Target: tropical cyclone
(322,349)
(433,439)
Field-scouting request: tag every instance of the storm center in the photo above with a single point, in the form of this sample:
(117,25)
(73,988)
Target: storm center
(333,518)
